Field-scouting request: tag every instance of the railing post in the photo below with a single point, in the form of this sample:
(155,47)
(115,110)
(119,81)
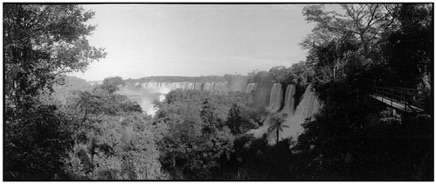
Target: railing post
(392,107)
(405,102)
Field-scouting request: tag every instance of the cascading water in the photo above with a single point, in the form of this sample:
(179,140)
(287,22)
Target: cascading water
(160,89)
(250,87)
(307,108)
(221,88)
(197,86)
(213,87)
(208,86)
(275,99)
(289,100)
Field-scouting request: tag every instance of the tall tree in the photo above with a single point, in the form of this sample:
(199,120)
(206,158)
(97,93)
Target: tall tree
(41,42)
(234,119)
(364,22)
(348,37)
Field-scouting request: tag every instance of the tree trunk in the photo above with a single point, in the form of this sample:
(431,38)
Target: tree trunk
(277,136)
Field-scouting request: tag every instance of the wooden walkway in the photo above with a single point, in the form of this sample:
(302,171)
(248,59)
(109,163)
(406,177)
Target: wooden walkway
(401,106)
(402,99)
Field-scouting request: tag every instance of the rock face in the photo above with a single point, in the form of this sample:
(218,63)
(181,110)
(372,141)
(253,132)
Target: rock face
(308,106)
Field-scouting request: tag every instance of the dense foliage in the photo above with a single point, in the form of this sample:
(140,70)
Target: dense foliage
(199,133)
(60,127)
(352,135)
(113,138)
(41,42)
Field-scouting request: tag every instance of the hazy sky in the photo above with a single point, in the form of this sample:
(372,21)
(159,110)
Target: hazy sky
(192,40)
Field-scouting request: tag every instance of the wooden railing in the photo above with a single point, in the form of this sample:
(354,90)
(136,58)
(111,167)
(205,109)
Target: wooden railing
(409,98)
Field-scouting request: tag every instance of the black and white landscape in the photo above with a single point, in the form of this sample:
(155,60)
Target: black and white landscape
(292,92)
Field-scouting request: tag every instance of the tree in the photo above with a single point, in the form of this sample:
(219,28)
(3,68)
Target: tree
(303,74)
(281,73)
(331,60)
(365,22)
(41,42)
(111,84)
(35,144)
(234,120)
(364,56)
(277,124)
(409,50)
(97,104)
(113,138)
(348,40)
(207,112)
(350,36)
(210,122)
(196,144)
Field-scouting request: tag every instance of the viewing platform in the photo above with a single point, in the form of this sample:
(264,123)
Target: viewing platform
(402,99)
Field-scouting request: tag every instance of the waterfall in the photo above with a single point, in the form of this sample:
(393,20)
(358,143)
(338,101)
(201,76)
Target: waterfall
(289,100)
(165,87)
(275,99)
(161,97)
(208,86)
(197,86)
(190,86)
(222,88)
(250,87)
(312,106)
(307,108)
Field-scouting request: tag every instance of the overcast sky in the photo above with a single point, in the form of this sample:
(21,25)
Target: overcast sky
(192,40)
